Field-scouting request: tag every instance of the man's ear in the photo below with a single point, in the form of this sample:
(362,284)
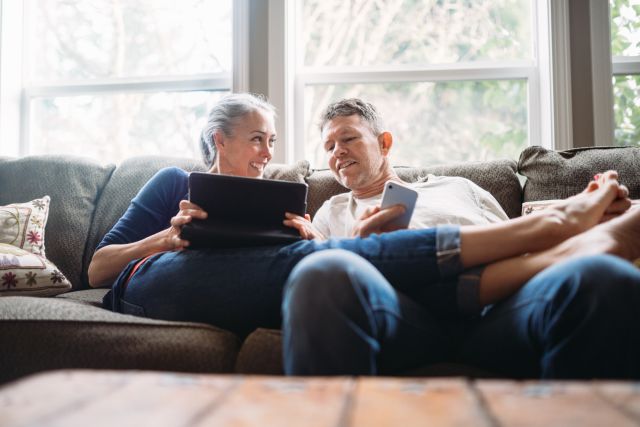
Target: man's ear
(385,139)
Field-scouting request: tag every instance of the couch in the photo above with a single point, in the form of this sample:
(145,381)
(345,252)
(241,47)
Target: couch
(72,330)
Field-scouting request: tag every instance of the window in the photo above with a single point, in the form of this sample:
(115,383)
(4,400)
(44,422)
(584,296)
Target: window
(625,48)
(451,79)
(111,79)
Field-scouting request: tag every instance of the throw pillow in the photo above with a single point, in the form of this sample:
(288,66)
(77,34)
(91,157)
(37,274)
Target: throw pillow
(559,174)
(22,225)
(27,274)
(531,207)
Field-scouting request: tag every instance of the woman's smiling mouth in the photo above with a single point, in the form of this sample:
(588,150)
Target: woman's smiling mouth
(257,166)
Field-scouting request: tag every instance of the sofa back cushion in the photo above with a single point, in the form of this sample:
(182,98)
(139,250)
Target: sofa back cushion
(497,177)
(124,184)
(74,185)
(559,174)
(133,173)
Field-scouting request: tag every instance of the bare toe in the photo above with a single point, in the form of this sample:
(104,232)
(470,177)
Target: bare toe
(609,175)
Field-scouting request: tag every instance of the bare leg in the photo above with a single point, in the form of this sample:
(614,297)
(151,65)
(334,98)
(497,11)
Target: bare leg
(542,230)
(620,236)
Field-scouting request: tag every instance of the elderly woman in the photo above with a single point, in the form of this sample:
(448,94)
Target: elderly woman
(237,140)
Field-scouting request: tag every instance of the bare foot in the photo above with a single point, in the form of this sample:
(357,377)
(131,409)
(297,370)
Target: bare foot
(621,204)
(583,211)
(620,236)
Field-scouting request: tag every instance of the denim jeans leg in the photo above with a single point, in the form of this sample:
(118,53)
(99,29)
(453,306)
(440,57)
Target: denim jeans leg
(576,319)
(234,289)
(342,317)
(241,289)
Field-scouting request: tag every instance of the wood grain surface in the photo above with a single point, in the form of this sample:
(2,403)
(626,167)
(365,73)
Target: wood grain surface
(138,398)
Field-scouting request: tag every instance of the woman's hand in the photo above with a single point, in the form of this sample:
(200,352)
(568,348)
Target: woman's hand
(376,220)
(110,260)
(187,212)
(303,225)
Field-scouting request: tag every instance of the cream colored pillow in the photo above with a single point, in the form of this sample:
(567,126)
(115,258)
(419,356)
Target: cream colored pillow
(24,270)
(26,274)
(531,207)
(22,224)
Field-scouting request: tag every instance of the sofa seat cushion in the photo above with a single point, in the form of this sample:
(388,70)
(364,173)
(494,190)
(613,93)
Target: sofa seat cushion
(58,333)
(261,354)
(87,296)
(559,174)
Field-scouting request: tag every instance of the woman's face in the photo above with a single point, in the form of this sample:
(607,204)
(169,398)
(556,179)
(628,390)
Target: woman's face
(248,150)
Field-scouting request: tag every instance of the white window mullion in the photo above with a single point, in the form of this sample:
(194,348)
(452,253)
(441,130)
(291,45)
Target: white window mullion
(601,71)
(240,46)
(281,75)
(539,119)
(560,57)
(204,82)
(540,84)
(431,73)
(25,120)
(11,51)
(624,65)
(299,137)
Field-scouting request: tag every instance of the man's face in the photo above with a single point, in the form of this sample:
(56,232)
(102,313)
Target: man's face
(354,151)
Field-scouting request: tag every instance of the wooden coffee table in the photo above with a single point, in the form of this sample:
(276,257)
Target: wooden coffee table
(135,398)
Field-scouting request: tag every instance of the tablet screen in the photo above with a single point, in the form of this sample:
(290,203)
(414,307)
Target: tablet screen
(246,200)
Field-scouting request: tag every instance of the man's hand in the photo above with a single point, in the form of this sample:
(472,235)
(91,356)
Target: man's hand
(303,225)
(187,212)
(376,220)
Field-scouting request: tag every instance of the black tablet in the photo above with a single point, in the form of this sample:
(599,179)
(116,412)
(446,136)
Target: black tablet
(243,211)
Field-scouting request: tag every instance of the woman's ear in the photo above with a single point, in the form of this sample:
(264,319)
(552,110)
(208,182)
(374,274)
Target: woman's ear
(218,140)
(385,139)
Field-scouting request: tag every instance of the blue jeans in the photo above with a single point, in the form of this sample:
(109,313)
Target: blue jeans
(577,319)
(241,289)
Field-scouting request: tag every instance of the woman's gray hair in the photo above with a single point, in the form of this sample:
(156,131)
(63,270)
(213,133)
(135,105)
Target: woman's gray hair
(223,118)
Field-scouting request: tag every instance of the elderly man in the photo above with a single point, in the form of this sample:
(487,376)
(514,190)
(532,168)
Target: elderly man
(358,150)
(553,313)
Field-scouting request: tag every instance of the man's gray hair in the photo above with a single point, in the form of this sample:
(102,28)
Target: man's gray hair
(223,118)
(349,107)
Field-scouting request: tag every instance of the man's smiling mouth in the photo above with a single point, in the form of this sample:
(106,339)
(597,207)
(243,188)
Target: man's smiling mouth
(346,164)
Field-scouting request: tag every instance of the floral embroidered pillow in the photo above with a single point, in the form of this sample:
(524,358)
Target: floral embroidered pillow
(22,225)
(24,270)
(531,207)
(27,274)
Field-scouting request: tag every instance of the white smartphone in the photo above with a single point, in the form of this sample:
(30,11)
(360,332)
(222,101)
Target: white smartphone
(399,194)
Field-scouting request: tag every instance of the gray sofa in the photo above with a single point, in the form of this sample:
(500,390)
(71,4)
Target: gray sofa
(71,330)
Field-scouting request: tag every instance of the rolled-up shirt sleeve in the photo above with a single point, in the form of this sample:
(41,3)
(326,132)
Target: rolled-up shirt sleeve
(466,282)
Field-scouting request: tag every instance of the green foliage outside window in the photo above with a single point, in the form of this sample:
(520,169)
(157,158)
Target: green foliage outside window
(625,41)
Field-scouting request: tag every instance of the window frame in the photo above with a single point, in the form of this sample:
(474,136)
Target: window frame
(547,74)
(605,66)
(16,93)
